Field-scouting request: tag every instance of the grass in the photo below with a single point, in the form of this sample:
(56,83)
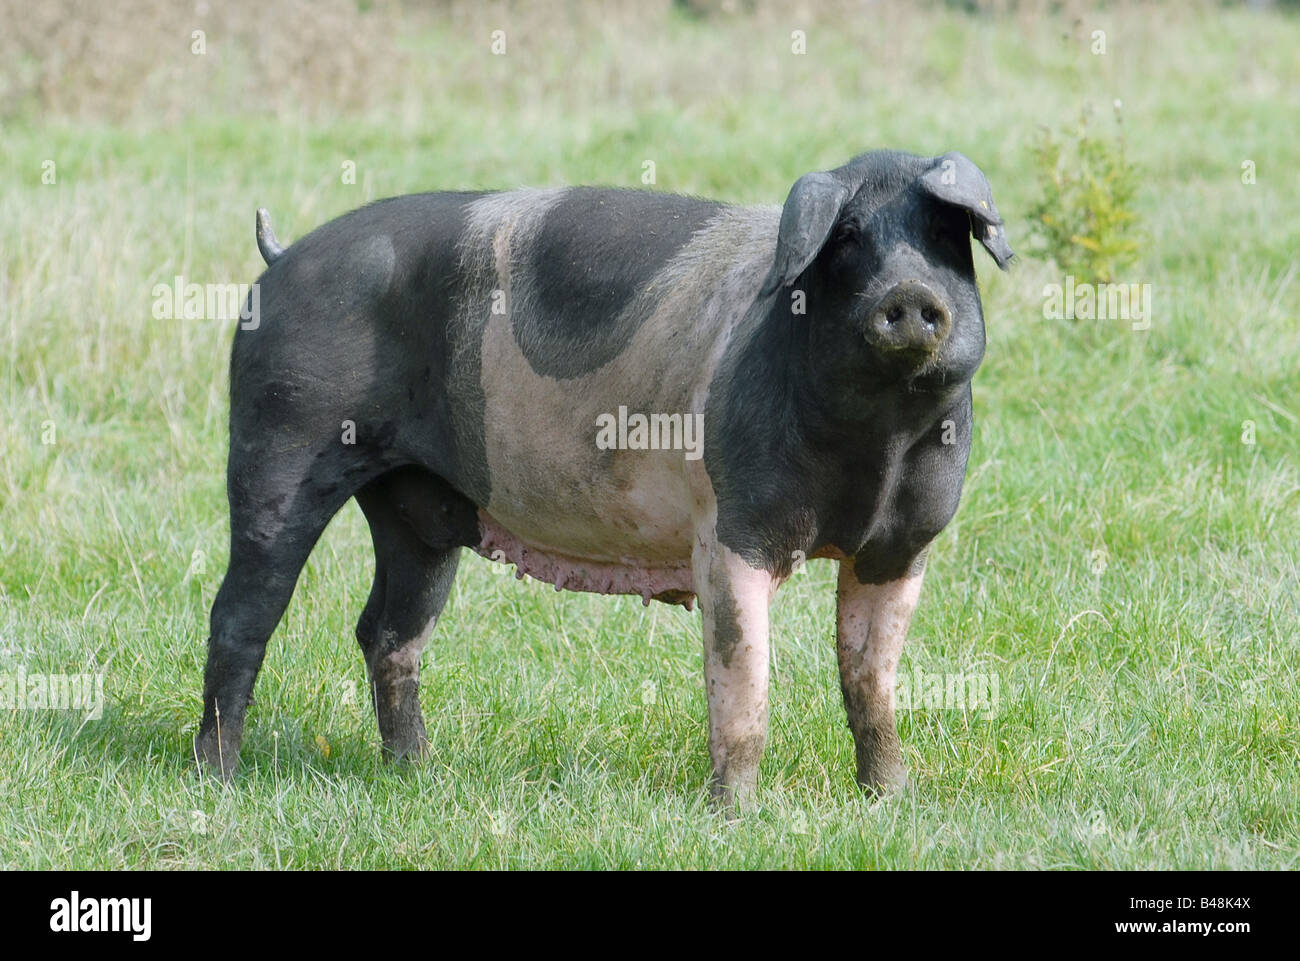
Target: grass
(1122,562)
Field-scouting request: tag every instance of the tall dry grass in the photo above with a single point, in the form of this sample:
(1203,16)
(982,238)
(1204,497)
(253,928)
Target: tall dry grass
(163,59)
(139,59)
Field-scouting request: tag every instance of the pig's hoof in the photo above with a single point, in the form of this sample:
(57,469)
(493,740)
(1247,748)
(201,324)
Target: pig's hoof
(212,759)
(732,800)
(407,751)
(884,782)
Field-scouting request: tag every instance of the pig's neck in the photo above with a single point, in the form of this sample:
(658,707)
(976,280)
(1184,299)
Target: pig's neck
(796,468)
(818,400)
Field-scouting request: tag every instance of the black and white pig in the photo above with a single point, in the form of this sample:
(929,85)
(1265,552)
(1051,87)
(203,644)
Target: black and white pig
(464,365)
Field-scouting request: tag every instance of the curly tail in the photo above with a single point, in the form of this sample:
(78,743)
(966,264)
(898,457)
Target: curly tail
(266,242)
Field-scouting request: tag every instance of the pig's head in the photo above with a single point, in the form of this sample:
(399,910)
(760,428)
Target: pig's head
(880,250)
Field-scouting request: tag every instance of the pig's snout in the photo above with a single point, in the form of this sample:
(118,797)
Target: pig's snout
(910,317)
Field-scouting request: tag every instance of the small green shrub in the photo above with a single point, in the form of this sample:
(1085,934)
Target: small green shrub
(1084,219)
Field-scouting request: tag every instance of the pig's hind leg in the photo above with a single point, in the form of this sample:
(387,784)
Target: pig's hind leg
(281,498)
(418,524)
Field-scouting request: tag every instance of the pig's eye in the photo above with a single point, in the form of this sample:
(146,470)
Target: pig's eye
(846,232)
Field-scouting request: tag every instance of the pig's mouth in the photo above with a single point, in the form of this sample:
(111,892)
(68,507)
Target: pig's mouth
(920,363)
(905,363)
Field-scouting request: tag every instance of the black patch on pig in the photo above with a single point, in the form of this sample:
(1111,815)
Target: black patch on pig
(351,334)
(726,621)
(812,439)
(438,515)
(595,253)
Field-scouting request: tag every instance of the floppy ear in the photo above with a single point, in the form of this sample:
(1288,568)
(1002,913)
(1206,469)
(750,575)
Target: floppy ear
(956,180)
(809,214)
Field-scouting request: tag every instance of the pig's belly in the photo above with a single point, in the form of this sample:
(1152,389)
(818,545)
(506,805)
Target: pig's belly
(627,529)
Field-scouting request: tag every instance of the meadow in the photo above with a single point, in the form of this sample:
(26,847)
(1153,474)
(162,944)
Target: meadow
(1124,561)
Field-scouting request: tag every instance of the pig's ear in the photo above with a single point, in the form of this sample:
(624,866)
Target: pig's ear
(809,214)
(955,179)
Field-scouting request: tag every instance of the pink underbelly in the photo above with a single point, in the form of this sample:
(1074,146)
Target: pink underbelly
(670,583)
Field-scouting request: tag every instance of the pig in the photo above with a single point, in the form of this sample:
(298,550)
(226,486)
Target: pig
(451,360)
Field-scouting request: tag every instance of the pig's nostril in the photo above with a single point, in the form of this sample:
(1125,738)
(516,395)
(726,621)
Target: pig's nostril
(930,316)
(894,314)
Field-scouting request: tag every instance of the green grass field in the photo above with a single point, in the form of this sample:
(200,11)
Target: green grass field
(1122,562)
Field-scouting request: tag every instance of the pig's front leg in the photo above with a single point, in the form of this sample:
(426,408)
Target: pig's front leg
(734,599)
(871,625)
